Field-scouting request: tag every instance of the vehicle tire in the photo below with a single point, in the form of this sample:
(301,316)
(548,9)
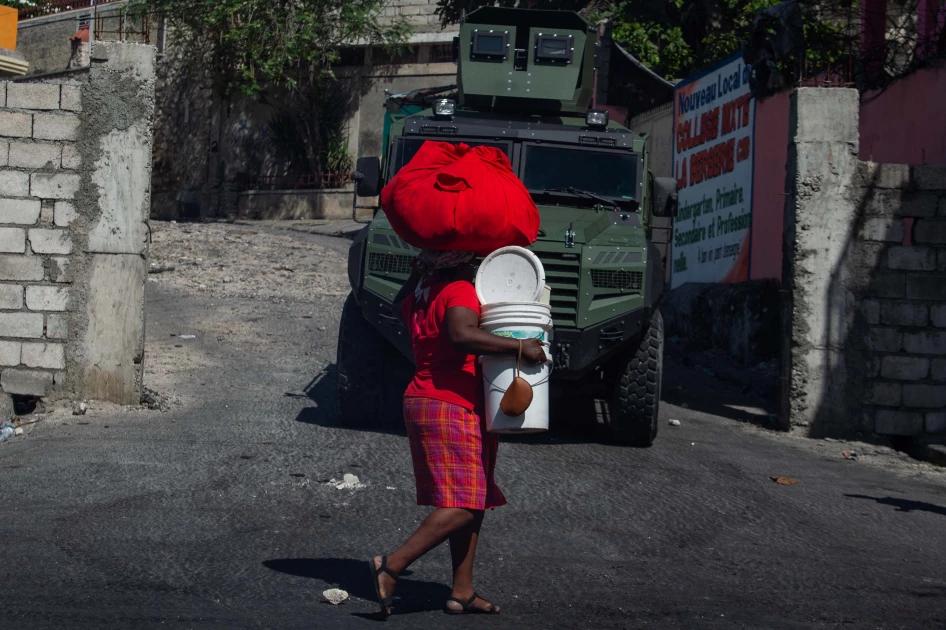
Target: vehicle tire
(360,364)
(635,401)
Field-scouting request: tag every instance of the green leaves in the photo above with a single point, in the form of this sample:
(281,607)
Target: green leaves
(284,52)
(657,45)
(280,43)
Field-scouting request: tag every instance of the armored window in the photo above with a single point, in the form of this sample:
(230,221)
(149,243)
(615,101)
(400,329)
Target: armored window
(489,45)
(555,49)
(408,147)
(611,174)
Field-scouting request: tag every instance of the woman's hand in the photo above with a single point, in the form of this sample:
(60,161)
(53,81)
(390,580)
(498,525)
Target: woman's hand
(463,330)
(533,351)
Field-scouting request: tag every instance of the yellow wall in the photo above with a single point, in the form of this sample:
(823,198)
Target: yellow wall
(8,18)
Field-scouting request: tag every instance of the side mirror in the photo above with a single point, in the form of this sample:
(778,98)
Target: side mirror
(367,176)
(663,197)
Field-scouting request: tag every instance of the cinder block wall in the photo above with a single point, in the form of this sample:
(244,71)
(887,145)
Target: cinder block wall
(866,248)
(904,302)
(39,125)
(75,164)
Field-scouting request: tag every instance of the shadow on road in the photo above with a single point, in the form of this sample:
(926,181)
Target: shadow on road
(569,423)
(353,576)
(737,396)
(322,391)
(903,505)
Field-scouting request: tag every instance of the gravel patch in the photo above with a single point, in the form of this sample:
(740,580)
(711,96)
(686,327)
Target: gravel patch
(233,260)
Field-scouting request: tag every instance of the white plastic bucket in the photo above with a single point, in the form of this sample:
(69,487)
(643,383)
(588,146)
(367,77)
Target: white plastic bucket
(517,320)
(510,274)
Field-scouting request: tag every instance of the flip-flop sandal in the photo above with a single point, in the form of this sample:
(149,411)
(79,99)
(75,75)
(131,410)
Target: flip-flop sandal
(383,602)
(467,607)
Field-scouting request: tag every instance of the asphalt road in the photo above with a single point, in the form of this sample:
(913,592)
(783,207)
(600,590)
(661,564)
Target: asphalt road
(216,514)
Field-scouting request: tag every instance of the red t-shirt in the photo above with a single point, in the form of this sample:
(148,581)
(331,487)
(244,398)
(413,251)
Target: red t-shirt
(443,372)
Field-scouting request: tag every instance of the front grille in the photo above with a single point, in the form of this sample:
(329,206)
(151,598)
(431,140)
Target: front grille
(562,276)
(443,130)
(396,264)
(617,279)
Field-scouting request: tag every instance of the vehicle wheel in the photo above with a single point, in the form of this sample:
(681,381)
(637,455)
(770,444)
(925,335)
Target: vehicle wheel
(635,402)
(362,390)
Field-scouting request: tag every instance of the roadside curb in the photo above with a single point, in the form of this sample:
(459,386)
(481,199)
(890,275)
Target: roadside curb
(931,453)
(342,228)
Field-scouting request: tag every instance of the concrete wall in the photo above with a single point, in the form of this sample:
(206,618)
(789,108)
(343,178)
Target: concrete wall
(74,201)
(367,120)
(868,281)
(658,125)
(45,41)
(295,204)
(823,159)
(419,14)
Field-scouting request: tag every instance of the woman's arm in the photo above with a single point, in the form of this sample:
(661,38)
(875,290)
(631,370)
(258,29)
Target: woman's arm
(463,330)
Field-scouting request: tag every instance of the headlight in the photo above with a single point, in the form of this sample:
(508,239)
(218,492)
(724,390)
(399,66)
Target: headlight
(444,108)
(597,118)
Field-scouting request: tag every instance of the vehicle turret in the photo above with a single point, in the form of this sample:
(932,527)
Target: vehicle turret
(526,60)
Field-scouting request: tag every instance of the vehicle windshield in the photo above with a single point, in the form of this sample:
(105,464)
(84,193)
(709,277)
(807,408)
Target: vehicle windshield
(609,174)
(407,147)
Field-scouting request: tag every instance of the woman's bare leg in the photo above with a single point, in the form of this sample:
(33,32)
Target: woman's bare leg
(434,529)
(463,553)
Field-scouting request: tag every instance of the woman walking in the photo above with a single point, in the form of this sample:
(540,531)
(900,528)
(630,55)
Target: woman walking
(452,454)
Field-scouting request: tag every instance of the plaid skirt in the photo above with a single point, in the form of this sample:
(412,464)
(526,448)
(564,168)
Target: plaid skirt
(453,455)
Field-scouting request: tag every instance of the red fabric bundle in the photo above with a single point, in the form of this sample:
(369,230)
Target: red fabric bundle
(454,197)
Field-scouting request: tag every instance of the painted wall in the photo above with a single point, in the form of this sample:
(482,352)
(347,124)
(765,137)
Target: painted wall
(906,122)
(768,186)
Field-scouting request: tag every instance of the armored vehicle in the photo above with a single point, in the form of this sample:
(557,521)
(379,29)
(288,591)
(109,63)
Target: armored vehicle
(526,80)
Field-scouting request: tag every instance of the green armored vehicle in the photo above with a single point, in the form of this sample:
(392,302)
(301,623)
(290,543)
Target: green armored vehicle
(525,85)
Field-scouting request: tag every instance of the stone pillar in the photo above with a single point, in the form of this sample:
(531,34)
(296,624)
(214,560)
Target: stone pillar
(115,142)
(820,222)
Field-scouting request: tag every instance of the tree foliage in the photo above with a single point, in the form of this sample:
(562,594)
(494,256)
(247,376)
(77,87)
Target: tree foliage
(281,50)
(289,43)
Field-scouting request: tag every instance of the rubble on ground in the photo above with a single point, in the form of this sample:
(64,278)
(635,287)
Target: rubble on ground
(230,260)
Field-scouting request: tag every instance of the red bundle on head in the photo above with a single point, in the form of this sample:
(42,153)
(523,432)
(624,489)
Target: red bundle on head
(454,197)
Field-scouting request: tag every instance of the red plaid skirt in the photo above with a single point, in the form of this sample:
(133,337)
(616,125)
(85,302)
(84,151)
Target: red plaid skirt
(454,457)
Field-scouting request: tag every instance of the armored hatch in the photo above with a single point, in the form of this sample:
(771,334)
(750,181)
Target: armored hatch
(527,60)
